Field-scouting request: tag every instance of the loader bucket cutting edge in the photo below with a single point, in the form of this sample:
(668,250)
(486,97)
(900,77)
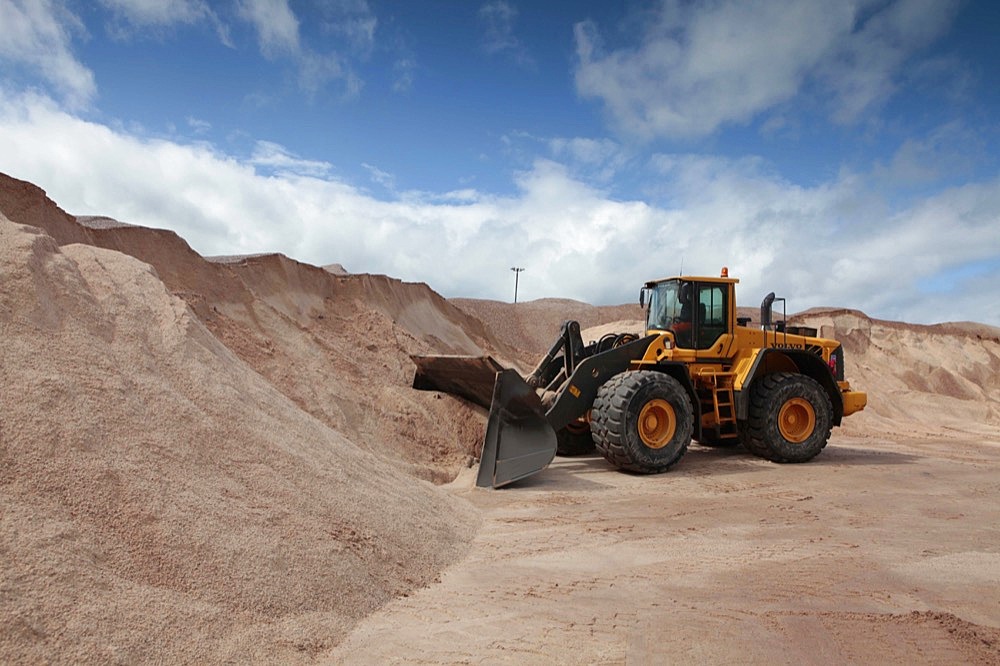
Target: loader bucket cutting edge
(519,441)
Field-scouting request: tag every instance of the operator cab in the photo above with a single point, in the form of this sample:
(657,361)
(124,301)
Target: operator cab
(697,310)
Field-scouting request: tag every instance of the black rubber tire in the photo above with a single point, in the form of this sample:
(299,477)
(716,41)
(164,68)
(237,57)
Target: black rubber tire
(763,434)
(757,448)
(615,421)
(570,442)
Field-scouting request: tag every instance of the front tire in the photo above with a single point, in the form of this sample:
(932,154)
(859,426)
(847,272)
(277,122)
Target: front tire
(642,421)
(790,418)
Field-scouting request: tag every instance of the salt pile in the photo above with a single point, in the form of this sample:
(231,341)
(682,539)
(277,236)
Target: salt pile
(161,500)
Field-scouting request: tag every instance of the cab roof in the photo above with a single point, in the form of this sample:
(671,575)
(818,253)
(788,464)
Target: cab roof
(694,278)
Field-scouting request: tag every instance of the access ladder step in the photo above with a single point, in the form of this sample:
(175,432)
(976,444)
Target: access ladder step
(723,403)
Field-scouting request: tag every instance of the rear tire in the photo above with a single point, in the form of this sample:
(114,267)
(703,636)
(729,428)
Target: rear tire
(642,421)
(790,418)
(574,440)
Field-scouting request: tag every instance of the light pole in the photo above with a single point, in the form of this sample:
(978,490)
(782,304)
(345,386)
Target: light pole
(517,272)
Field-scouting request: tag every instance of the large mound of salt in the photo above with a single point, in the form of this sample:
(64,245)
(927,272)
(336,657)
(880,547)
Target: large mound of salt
(161,500)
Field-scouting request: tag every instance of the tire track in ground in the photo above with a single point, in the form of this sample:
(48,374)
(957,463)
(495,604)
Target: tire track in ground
(724,558)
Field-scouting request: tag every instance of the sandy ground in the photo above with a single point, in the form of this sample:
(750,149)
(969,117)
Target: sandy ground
(879,551)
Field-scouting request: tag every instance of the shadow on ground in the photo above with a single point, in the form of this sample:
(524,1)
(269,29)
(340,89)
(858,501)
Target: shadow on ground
(590,472)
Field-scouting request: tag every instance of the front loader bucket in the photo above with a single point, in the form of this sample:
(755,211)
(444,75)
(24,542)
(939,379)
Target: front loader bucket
(469,377)
(519,440)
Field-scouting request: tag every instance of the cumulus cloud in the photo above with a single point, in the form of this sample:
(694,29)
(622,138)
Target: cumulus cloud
(698,66)
(37,35)
(837,243)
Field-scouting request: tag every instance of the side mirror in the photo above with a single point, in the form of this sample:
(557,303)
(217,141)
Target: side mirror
(642,297)
(765,311)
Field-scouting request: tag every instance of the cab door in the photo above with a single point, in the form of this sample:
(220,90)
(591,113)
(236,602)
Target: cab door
(712,328)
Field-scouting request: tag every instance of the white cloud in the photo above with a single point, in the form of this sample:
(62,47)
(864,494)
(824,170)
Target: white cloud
(273,156)
(133,16)
(199,126)
(600,159)
(159,12)
(498,20)
(588,151)
(948,151)
(276,25)
(278,34)
(383,178)
(698,66)
(352,21)
(316,71)
(839,244)
(867,61)
(835,244)
(37,35)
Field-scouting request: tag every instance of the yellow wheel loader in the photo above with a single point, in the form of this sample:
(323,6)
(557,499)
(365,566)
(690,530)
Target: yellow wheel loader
(699,373)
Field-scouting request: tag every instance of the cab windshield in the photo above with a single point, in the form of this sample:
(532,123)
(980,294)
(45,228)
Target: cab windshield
(664,306)
(695,312)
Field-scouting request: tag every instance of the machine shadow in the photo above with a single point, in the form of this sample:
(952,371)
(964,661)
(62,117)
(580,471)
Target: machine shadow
(589,472)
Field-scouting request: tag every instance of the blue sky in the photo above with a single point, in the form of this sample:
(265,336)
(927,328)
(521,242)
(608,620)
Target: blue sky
(838,153)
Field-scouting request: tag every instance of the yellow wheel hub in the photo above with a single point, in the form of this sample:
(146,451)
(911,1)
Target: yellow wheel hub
(657,423)
(797,420)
